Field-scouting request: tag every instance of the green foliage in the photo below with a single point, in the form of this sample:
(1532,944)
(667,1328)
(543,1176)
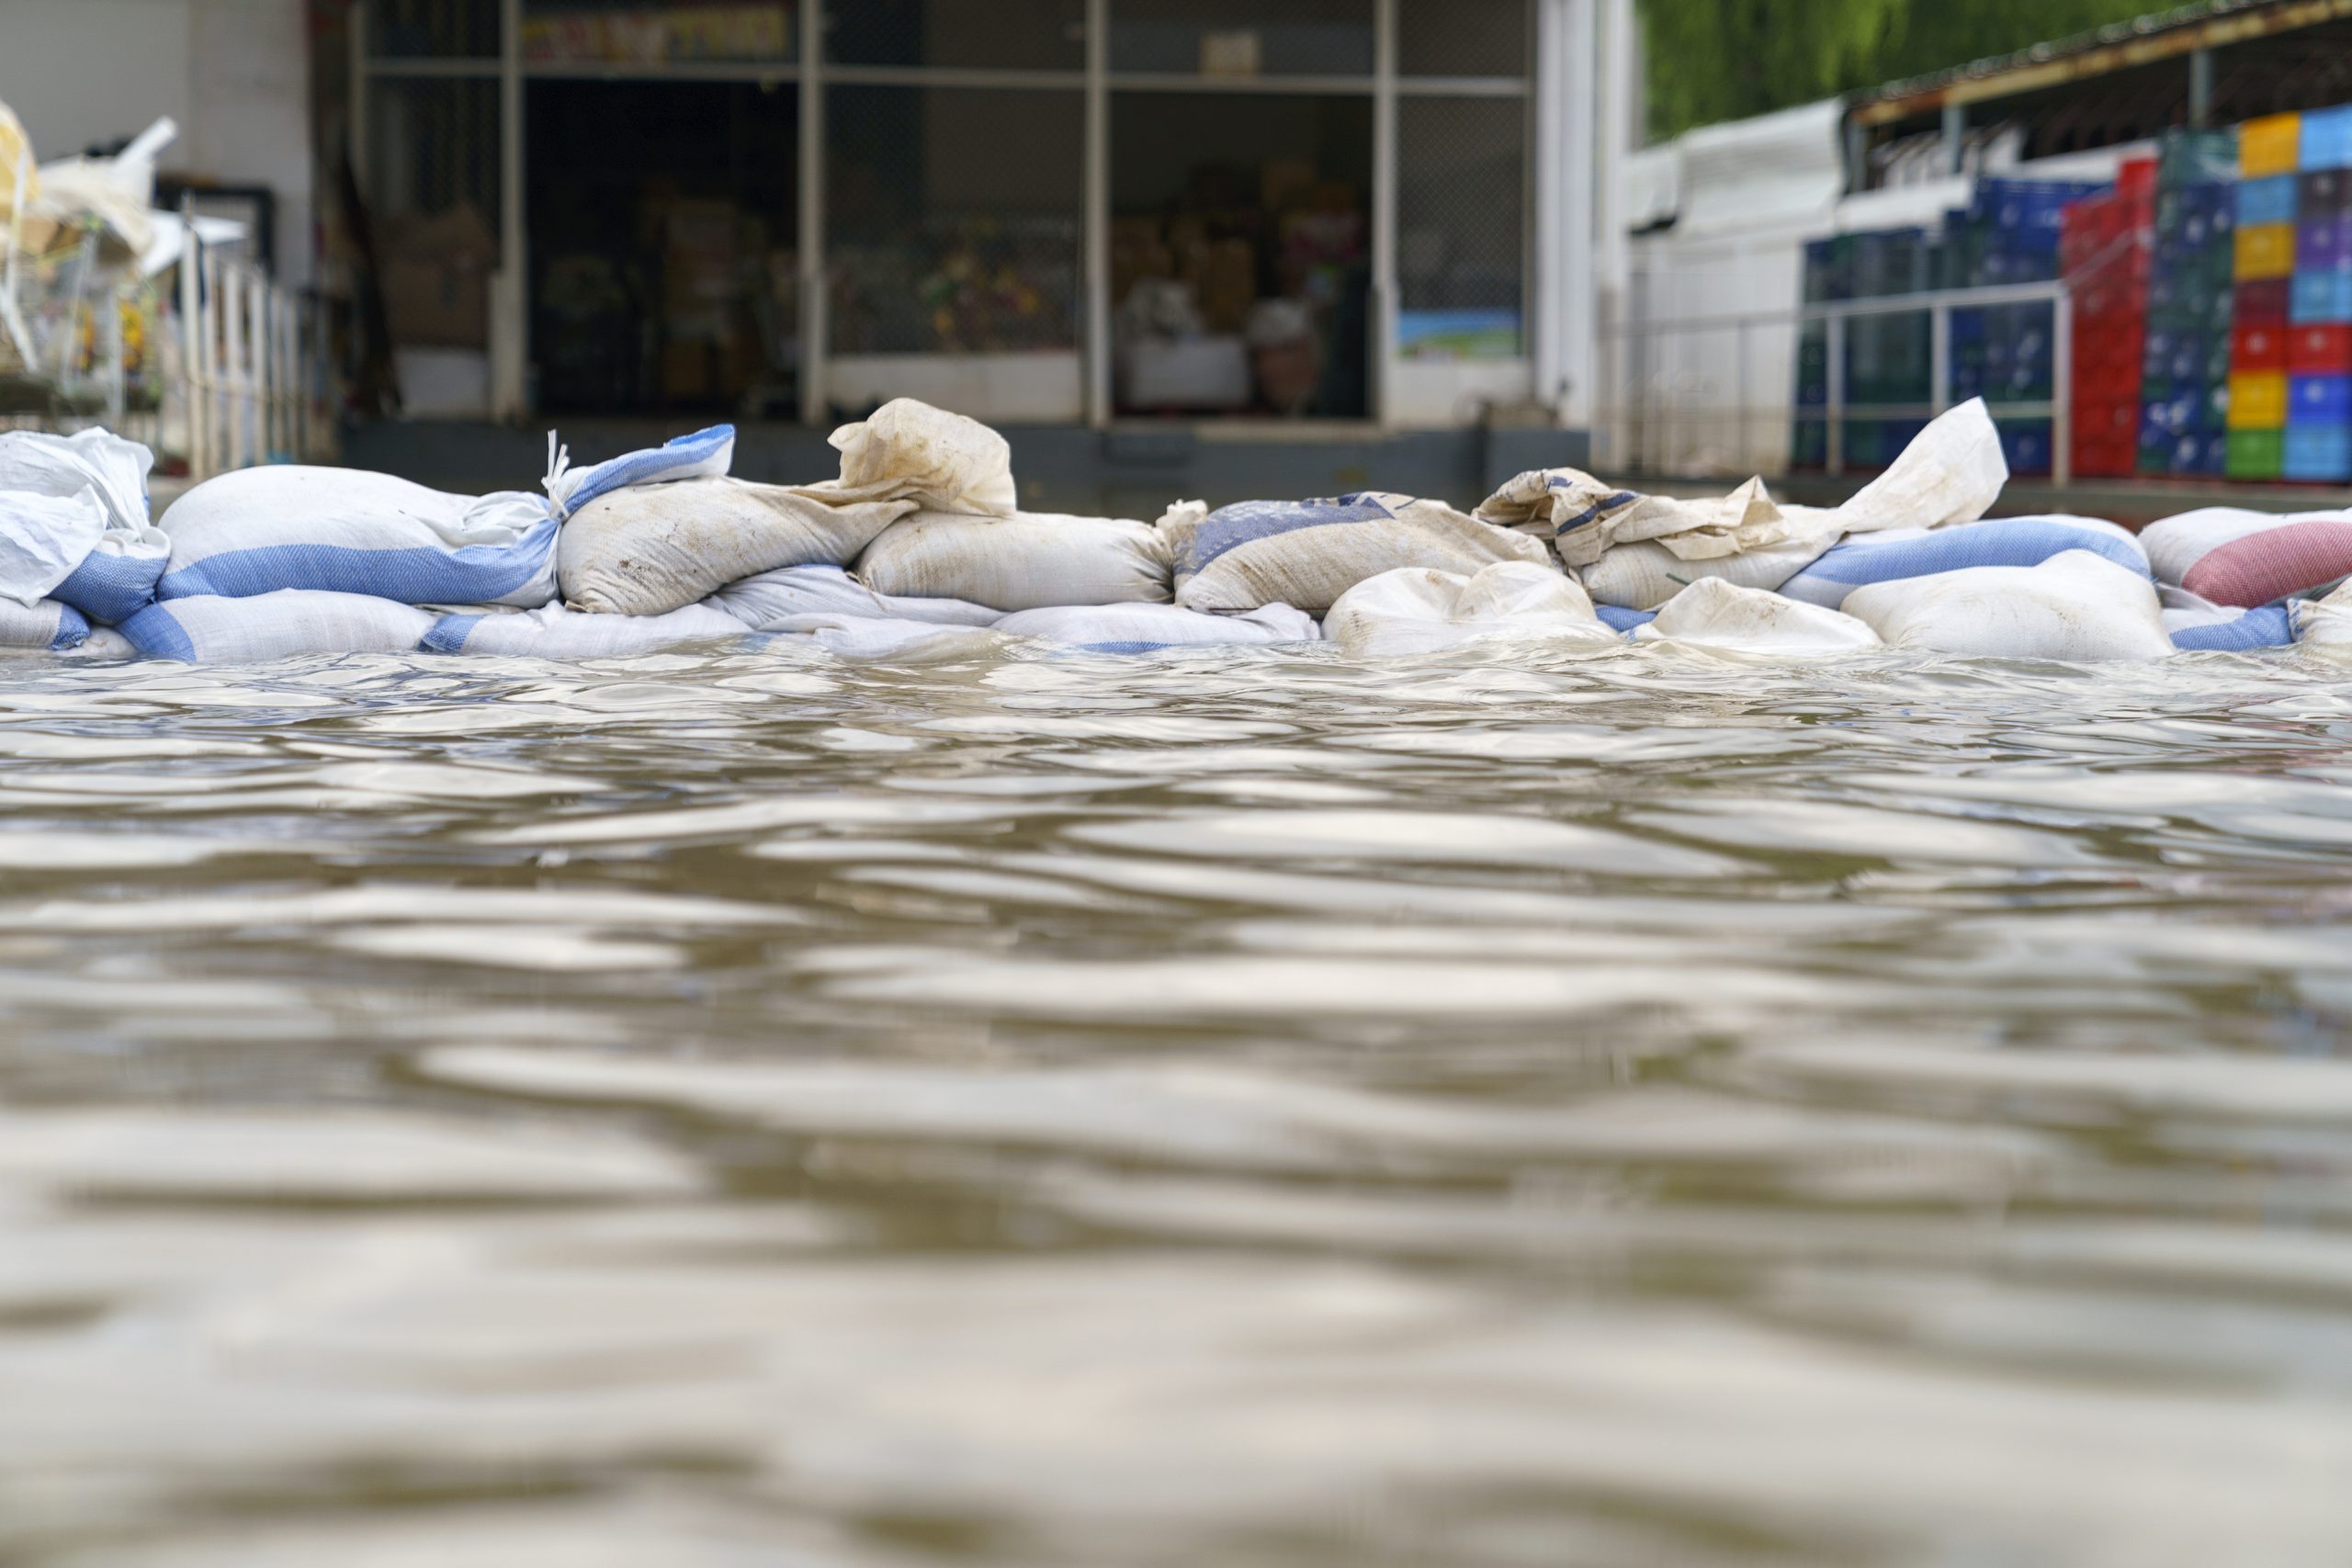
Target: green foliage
(1711,60)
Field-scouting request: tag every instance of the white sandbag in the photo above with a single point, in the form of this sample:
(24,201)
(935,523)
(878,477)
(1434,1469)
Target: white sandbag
(942,461)
(73,523)
(216,629)
(1894,553)
(2323,624)
(553,632)
(2230,556)
(44,624)
(2076,606)
(1030,560)
(877,638)
(765,602)
(1644,575)
(654,549)
(1309,553)
(1147,629)
(347,531)
(705,453)
(1713,613)
(1417,610)
(1952,472)
(104,642)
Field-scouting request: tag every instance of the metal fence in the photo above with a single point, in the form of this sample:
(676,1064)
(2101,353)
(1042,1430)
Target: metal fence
(1676,413)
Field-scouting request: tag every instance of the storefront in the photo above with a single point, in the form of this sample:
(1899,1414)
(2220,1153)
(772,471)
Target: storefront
(1376,212)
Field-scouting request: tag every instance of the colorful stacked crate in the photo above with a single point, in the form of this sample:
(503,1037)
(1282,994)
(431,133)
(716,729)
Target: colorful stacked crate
(1889,358)
(2262,254)
(2317,360)
(2185,365)
(2103,247)
(2010,233)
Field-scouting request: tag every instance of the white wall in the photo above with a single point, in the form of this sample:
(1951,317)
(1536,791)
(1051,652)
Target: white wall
(235,74)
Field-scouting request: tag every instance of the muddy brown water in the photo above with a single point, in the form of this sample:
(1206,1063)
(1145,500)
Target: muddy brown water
(1226,1106)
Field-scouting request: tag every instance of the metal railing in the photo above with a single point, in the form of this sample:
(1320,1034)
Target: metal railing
(254,368)
(1637,406)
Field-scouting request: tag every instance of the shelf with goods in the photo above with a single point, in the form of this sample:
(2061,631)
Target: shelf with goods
(2186,356)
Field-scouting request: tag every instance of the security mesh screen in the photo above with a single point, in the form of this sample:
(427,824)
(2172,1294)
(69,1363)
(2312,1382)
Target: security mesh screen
(1024,35)
(439,29)
(953,220)
(1463,37)
(1461,238)
(433,149)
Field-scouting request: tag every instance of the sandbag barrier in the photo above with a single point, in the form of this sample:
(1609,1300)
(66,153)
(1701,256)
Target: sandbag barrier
(918,550)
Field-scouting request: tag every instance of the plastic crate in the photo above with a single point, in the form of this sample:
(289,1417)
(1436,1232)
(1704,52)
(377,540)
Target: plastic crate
(2025,443)
(2321,348)
(2264,299)
(2255,453)
(2319,191)
(2257,345)
(2196,157)
(2318,399)
(2325,142)
(2270,145)
(2324,244)
(1828,270)
(2320,296)
(2259,401)
(2270,199)
(2319,454)
(2265,250)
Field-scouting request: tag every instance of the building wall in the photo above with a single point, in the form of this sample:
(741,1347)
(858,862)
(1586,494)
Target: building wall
(235,74)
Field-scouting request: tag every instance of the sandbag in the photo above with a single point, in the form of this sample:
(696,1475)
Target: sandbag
(943,462)
(2231,556)
(1308,553)
(1952,472)
(1419,610)
(1624,622)
(2200,626)
(44,624)
(74,522)
(1712,613)
(1030,560)
(1147,629)
(765,601)
(704,455)
(877,638)
(2076,606)
(653,548)
(347,531)
(1886,556)
(104,642)
(553,632)
(219,629)
(1644,576)
(2323,624)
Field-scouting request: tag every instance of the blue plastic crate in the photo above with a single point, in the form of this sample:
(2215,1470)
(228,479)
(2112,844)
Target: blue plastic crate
(2316,297)
(2270,199)
(2326,141)
(2319,453)
(2025,443)
(2029,211)
(2319,400)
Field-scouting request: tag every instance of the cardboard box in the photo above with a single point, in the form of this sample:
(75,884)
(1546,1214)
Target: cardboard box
(434,274)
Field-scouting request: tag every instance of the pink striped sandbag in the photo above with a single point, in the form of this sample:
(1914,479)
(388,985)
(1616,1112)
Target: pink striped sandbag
(2234,557)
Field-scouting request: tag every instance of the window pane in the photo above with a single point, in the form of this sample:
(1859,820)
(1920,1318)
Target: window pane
(436,29)
(1461,251)
(614,32)
(1463,37)
(1018,35)
(1243,38)
(954,219)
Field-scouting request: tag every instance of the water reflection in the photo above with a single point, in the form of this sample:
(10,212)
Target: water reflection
(1232,1107)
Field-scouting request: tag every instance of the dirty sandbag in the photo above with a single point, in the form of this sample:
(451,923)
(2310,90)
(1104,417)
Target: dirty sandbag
(2231,556)
(73,510)
(767,599)
(1149,628)
(1417,610)
(2324,626)
(260,531)
(1712,613)
(705,453)
(1894,553)
(1309,553)
(290,622)
(1644,575)
(653,548)
(1030,560)
(941,461)
(553,632)
(1952,472)
(2075,607)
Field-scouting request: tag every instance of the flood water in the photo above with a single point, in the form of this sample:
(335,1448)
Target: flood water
(1230,1107)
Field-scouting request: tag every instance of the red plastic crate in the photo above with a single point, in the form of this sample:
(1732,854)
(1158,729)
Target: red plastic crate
(2109,417)
(2320,349)
(2261,301)
(2135,182)
(2257,345)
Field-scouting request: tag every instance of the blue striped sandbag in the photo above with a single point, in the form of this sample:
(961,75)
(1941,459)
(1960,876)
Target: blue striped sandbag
(1620,619)
(2001,541)
(2272,625)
